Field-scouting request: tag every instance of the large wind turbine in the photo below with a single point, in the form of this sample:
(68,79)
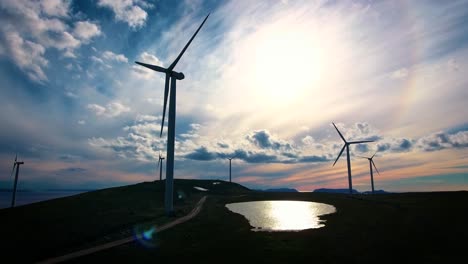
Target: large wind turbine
(346,145)
(160,162)
(230,159)
(16,165)
(371,162)
(172,76)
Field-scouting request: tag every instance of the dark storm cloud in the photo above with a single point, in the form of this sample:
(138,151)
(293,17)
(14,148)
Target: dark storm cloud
(264,140)
(201,153)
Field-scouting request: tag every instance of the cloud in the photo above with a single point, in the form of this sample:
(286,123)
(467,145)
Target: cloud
(112,109)
(109,55)
(308,140)
(223,145)
(145,73)
(58,8)
(201,153)
(443,140)
(86,30)
(313,158)
(128,11)
(264,140)
(27,55)
(29,28)
(400,73)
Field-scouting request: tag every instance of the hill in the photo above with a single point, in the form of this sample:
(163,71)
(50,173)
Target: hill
(417,227)
(325,190)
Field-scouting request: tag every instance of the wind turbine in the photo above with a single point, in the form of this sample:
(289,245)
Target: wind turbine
(171,76)
(230,159)
(346,145)
(16,165)
(160,162)
(371,162)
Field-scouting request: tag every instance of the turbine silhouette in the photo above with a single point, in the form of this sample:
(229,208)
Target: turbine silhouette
(160,162)
(171,76)
(346,145)
(371,162)
(230,159)
(16,165)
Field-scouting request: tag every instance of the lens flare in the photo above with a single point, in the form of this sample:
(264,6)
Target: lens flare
(146,236)
(181,195)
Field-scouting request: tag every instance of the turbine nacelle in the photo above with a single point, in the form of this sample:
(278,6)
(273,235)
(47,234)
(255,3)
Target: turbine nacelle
(177,75)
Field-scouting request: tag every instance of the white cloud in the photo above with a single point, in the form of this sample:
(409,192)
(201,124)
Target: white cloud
(58,8)
(400,74)
(27,55)
(145,73)
(32,27)
(128,11)
(86,30)
(97,109)
(308,140)
(109,55)
(112,109)
(96,59)
(81,122)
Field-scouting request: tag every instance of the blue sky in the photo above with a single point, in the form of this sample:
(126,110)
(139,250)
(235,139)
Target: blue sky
(264,80)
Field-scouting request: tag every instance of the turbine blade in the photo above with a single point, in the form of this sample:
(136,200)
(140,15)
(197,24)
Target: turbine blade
(339,132)
(373,155)
(166,93)
(13,170)
(159,162)
(171,67)
(339,154)
(362,141)
(375,167)
(362,157)
(152,67)
(16,157)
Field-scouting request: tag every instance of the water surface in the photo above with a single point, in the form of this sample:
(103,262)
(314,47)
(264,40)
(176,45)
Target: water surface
(23,198)
(282,215)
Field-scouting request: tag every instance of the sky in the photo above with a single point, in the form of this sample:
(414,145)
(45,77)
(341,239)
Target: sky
(264,80)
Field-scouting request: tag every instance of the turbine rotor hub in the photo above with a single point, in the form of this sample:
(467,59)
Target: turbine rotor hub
(177,75)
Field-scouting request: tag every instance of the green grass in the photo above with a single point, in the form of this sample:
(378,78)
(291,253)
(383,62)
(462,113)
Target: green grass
(388,228)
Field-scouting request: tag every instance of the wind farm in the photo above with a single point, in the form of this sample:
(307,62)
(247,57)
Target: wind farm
(92,100)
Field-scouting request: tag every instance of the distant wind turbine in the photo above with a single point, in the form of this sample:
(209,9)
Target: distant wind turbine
(230,159)
(172,76)
(16,165)
(371,162)
(160,163)
(346,145)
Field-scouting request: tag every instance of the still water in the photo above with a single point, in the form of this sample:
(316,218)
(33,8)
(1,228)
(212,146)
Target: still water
(23,198)
(282,215)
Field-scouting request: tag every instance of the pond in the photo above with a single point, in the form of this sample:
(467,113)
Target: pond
(282,215)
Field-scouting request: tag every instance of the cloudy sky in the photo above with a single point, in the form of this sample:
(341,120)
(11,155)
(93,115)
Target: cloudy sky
(264,81)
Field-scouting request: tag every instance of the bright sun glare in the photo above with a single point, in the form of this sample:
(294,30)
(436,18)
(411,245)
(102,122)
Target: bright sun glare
(286,64)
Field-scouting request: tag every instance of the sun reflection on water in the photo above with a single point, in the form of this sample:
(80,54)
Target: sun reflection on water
(282,215)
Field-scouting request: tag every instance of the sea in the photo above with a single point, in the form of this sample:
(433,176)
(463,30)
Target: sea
(28,197)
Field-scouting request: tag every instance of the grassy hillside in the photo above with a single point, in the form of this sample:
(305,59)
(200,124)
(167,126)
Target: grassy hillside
(386,228)
(58,226)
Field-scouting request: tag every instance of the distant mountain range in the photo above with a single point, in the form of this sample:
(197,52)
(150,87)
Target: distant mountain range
(325,190)
(279,190)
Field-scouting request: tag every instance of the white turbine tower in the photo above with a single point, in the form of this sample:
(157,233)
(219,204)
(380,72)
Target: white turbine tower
(346,145)
(371,162)
(172,76)
(16,165)
(160,163)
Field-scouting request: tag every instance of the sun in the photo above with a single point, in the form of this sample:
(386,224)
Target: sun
(286,64)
